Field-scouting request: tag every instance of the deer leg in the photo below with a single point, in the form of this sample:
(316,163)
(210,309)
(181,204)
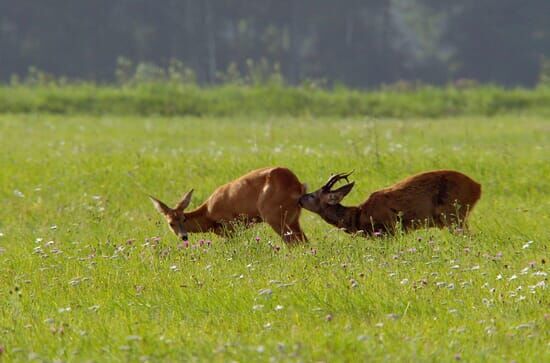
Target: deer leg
(462,223)
(456,224)
(224,229)
(275,223)
(286,224)
(291,234)
(297,234)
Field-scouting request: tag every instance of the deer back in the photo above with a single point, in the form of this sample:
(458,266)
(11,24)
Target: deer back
(421,197)
(247,195)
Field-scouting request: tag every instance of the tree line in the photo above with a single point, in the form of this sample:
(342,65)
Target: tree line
(358,43)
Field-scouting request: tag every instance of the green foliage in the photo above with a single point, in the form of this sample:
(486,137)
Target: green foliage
(90,272)
(127,74)
(176,94)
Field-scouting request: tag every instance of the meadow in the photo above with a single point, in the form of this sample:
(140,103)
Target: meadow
(90,272)
(271,96)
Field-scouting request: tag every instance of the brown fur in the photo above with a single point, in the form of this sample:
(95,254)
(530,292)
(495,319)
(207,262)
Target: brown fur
(439,198)
(270,195)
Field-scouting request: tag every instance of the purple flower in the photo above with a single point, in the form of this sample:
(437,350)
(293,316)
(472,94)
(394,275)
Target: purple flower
(257,238)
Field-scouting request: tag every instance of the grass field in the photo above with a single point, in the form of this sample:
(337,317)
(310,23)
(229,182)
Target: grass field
(89,271)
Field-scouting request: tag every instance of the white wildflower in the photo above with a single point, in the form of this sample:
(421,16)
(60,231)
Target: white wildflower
(265,292)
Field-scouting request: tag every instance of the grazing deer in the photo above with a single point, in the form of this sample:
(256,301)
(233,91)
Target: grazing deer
(270,195)
(439,198)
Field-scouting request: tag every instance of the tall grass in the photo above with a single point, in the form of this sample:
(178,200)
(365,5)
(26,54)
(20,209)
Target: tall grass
(276,99)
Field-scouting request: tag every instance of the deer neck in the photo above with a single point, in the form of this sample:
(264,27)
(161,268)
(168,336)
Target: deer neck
(197,220)
(342,217)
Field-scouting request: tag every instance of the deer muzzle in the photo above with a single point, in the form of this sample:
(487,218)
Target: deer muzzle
(309,202)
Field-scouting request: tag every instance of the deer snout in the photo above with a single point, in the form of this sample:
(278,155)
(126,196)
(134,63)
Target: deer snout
(184,237)
(308,202)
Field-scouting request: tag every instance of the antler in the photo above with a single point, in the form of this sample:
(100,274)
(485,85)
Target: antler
(335,178)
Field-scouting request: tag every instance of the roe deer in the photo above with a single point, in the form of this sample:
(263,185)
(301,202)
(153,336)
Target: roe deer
(440,198)
(270,195)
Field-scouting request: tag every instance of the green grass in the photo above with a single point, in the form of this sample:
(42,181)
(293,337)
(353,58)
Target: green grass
(176,99)
(106,290)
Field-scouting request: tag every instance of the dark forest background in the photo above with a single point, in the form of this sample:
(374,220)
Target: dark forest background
(357,43)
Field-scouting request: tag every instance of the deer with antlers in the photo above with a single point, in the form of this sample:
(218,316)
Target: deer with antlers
(270,195)
(439,198)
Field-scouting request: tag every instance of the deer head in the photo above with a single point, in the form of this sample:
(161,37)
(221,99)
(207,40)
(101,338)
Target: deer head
(324,197)
(175,217)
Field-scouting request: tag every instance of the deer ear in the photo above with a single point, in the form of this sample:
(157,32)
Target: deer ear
(336,196)
(160,206)
(185,201)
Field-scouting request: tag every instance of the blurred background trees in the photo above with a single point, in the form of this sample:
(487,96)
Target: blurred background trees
(359,43)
